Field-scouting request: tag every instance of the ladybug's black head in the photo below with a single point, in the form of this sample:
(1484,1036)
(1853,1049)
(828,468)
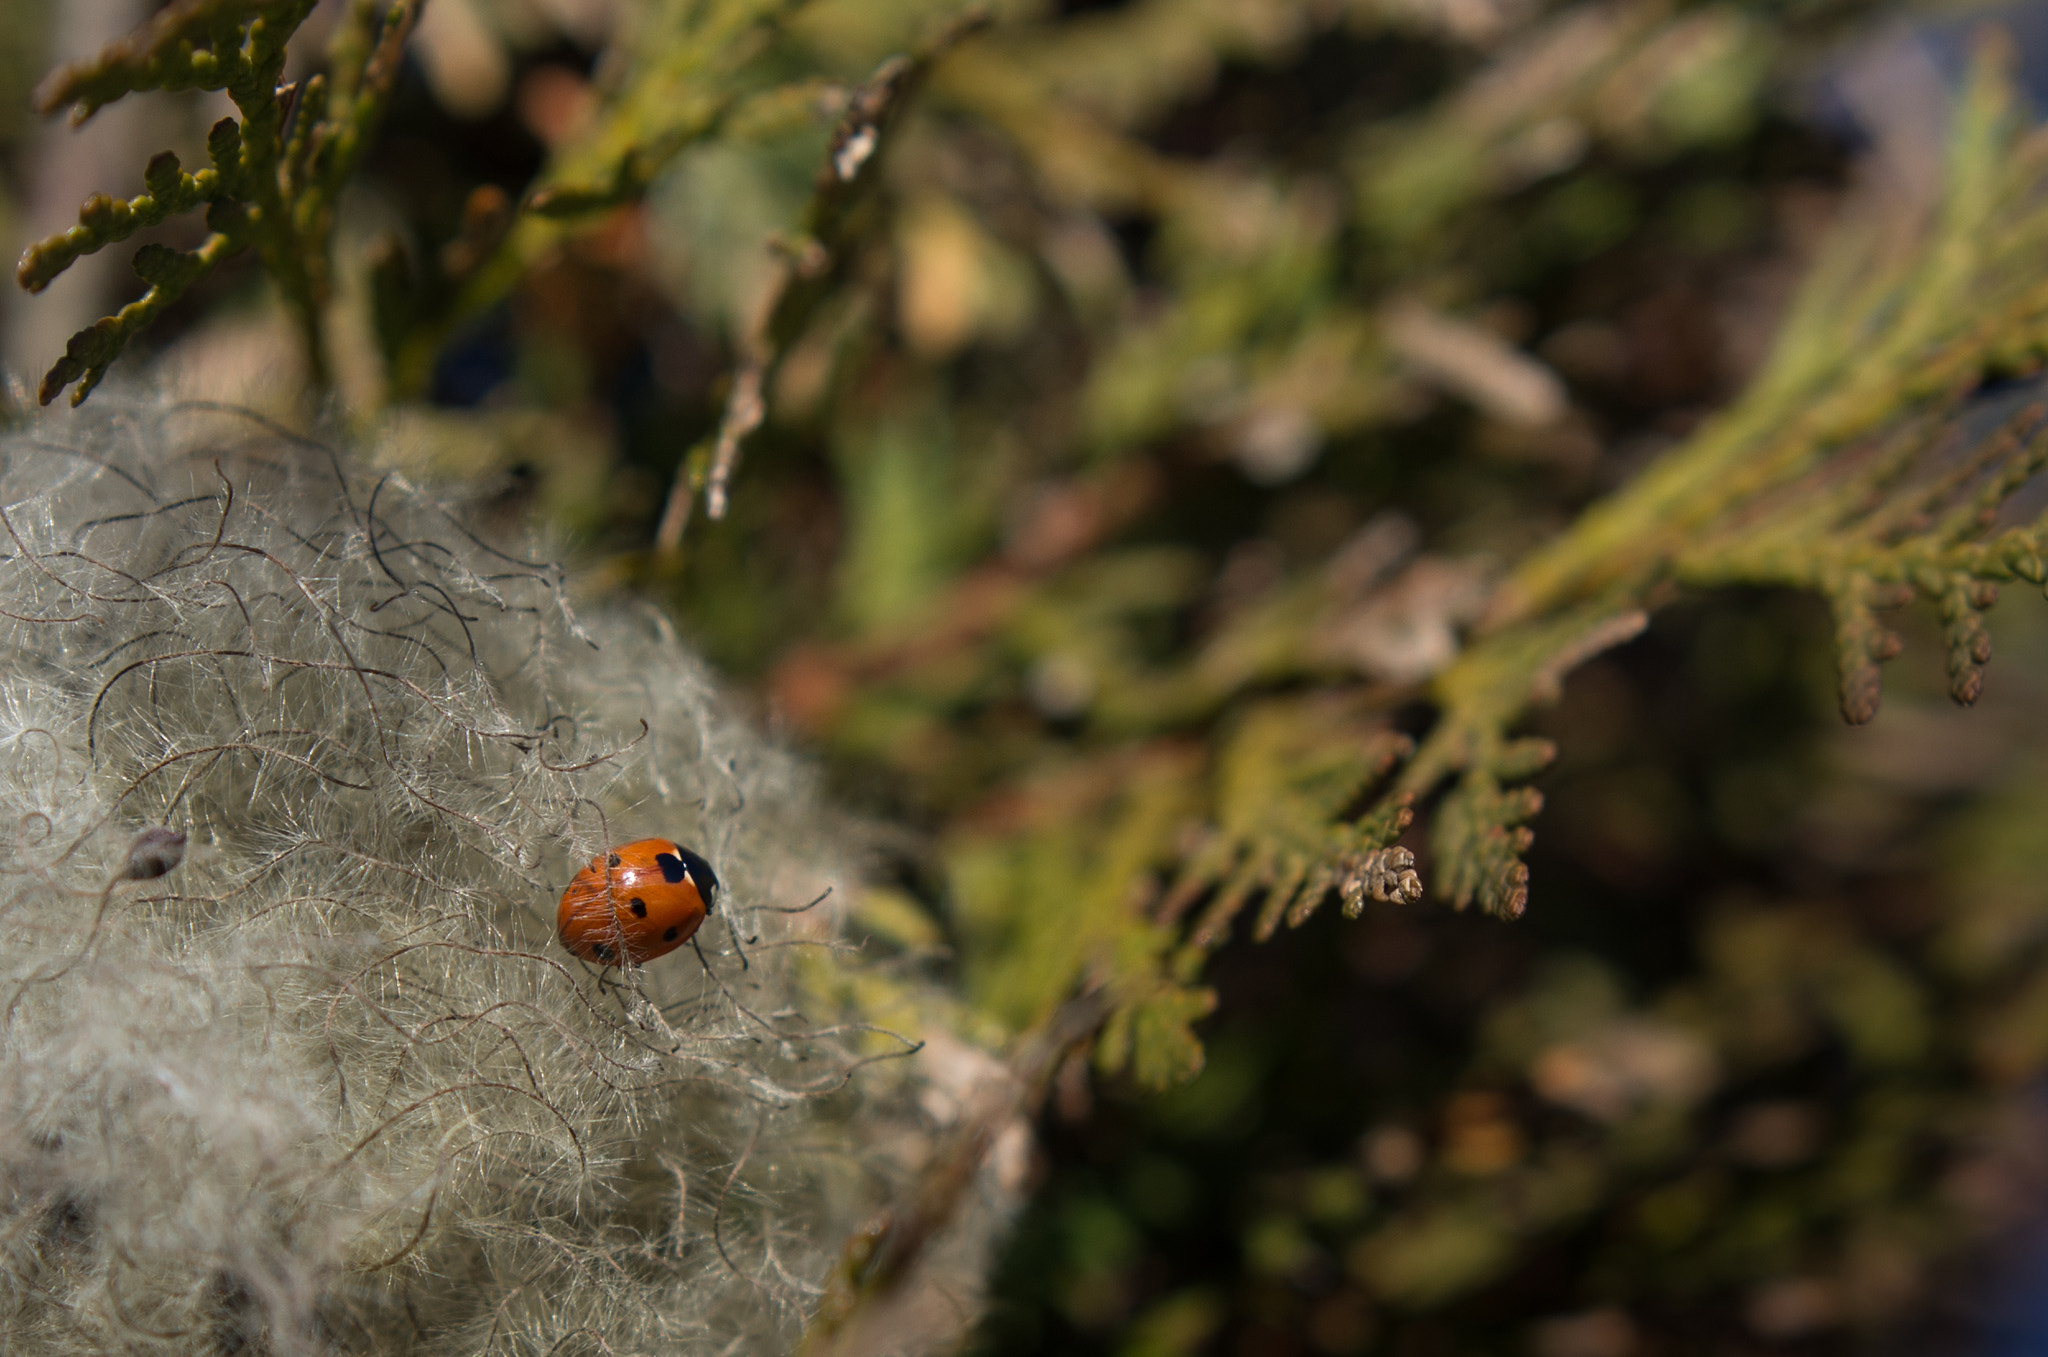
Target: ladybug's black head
(684,863)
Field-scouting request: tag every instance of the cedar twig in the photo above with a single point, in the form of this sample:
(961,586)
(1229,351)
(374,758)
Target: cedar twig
(808,271)
(854,1319)
(275,177)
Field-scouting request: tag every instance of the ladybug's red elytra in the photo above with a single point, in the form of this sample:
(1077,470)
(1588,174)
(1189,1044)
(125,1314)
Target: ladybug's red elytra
(639,901)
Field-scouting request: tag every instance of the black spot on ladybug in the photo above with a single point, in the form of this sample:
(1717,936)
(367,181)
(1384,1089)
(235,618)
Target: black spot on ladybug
(684,863)
(613,860)
(639,908)
(670,936)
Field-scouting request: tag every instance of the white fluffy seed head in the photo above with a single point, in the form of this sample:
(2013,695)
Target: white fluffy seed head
(329,1083)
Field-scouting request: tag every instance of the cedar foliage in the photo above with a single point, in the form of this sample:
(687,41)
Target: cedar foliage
(274,178)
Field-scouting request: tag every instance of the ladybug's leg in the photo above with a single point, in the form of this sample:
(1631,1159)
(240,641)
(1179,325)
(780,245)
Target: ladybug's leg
(734,929)
(615,982)
(816,900)
(731,998)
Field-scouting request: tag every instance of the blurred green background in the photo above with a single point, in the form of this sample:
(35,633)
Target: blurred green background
(1194,354)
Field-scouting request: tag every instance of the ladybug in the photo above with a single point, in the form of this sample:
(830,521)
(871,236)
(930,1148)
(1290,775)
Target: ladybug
(639,901)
